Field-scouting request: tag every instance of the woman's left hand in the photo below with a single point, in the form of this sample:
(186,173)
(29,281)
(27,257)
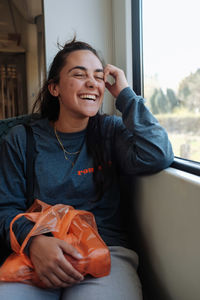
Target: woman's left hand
(119,77)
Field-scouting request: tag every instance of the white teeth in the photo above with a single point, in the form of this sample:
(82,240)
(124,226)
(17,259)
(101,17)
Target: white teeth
(86,96)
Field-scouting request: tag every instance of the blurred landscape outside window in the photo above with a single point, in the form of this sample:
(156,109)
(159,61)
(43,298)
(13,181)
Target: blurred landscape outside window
(171,58)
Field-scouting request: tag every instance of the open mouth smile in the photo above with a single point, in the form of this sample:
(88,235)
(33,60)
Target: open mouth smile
(88,97)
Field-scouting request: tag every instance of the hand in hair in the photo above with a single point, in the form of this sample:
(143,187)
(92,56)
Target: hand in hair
(47,256)
(120,80)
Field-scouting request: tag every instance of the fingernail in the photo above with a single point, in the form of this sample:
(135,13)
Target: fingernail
(79,256)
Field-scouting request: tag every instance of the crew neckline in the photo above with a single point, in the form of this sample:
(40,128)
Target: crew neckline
(47,125)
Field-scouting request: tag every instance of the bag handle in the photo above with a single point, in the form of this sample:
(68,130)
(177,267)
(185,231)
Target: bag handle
(38,218)
(13,241)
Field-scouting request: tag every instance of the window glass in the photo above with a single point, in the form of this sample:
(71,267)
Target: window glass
(171,57)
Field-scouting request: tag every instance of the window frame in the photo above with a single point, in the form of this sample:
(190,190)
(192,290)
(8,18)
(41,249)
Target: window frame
(192,167)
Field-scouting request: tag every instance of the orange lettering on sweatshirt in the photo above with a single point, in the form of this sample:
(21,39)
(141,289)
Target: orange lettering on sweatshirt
(90,170)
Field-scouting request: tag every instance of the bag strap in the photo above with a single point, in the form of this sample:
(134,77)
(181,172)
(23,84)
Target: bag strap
(30,162)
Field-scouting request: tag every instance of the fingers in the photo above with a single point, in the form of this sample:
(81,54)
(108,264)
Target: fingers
(52,267)
(69,249)
(69,275)
(45,281)
(62,274)
(120,81)
(58,279)
(112,70)
(66,266)
(53,282)
(108,85)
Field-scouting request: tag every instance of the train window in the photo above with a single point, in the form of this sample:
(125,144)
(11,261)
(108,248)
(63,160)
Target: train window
(171,70)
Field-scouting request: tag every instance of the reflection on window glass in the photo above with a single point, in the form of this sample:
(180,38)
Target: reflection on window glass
(171,48)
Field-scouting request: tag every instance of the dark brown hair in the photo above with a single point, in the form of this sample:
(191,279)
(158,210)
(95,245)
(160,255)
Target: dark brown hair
(48,107)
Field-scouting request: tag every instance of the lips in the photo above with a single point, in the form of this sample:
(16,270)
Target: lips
(91,97)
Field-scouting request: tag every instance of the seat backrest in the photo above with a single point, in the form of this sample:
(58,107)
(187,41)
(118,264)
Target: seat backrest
(6,124)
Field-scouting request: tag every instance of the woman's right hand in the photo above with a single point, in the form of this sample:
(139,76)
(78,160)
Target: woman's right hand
(53,269)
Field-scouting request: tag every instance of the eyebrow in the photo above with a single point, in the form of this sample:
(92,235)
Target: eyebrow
(84,69)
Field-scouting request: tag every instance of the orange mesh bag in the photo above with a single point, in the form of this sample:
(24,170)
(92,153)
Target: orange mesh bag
(77,227)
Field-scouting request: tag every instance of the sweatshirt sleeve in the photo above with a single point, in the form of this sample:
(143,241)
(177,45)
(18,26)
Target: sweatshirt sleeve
(13,185)
(141,143)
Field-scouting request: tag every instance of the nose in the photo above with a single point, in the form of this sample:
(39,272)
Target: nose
(91,82)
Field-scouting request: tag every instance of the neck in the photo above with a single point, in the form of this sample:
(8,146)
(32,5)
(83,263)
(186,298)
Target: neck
(71,125)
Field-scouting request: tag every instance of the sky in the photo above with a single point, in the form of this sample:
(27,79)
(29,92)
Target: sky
(171,39)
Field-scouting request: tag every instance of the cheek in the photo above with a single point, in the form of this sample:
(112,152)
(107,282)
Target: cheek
(103,89)
(71,85)
(74,85)
(102,86)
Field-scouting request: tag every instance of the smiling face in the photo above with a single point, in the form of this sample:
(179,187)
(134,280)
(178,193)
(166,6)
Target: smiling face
(81,86)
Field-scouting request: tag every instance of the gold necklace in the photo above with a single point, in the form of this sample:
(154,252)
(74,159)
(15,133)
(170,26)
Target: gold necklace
(63,148)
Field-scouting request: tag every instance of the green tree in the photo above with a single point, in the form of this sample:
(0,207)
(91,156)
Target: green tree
(153,105)
(189,91)
(159,102)
(172,99)
(162,102)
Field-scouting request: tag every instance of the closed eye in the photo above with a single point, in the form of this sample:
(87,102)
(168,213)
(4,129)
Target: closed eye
(99,77)
(79,75)
(83,75)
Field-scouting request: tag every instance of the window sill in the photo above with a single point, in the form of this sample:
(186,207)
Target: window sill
(189,166)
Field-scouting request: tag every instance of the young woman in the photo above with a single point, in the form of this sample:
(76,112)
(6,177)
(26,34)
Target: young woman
(80,155)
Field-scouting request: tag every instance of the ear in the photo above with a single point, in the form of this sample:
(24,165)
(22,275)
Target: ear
(53,89)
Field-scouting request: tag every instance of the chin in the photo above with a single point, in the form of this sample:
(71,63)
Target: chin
(91,113)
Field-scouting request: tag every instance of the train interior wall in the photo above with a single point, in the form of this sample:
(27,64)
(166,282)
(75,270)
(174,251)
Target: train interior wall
(165,209)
